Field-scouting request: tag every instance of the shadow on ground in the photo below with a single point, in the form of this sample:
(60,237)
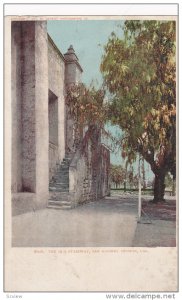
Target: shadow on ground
(158,225)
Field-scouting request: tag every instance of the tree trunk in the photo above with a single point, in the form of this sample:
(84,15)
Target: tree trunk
(159,187)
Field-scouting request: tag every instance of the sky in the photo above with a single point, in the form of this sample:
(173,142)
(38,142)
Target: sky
(88,38)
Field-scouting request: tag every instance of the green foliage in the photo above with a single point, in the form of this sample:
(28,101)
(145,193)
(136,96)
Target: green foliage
(86,105)
(139,72)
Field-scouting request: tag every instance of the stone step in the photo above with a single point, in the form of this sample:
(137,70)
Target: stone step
(62,187)
(58,189)
(59,197)
(67,157)
(62,173)
(58,207)
(65,163)
(61,176)
(64,166)
(60,183)
(59,180)
(58,194)
(59,202)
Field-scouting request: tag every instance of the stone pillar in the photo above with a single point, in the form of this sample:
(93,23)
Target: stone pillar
(73,73)
(28,106)
(41,108)
(30,103)
(34,107)
(16,103)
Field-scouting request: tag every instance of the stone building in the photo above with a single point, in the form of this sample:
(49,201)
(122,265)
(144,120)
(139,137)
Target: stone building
(48,168)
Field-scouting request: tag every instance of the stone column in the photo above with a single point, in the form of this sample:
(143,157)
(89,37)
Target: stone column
(30,104)
(73,73)
(41,108)
(34,107)
(16,104)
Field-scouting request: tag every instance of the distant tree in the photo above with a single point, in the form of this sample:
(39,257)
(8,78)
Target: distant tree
(130,178)
(117,174)
(135,181)
(170,182)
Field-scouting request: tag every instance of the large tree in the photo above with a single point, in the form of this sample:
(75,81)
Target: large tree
(139,72)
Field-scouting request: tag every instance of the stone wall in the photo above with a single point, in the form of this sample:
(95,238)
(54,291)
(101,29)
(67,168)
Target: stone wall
(56,71)
(73,72)
(53,120)
(53,159)
(42,129)
(89,169)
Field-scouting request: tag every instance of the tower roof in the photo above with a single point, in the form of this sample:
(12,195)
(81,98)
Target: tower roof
(70,54)
(71,57)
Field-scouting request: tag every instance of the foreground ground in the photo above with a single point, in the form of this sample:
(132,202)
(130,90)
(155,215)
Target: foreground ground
(158,224)
(111,222)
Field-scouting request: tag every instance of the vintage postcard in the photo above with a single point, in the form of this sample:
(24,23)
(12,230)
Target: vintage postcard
(91,197)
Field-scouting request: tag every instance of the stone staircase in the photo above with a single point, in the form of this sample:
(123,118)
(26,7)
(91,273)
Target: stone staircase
(59,196)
